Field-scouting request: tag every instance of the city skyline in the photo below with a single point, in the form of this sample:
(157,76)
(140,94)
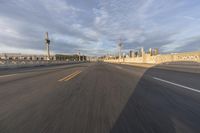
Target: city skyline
(95,27)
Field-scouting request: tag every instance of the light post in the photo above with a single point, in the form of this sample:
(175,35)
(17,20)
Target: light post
(47,43)
(79,56)
(120,49)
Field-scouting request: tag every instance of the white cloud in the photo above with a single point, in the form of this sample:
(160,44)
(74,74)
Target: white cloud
(59,6)
(148,23)
(7,49)
(191,18)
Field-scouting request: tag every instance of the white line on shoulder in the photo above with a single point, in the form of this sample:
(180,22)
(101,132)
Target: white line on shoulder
(172,83)
(9,75)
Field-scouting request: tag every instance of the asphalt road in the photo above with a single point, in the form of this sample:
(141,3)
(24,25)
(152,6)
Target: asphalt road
(99,98)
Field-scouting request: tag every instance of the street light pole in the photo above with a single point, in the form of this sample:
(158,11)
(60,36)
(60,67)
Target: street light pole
(79,56)
(120,48)
(47,43)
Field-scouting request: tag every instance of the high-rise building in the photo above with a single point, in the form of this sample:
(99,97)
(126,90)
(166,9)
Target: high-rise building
(141,52)
(156,52)
(130,53)
(150,51)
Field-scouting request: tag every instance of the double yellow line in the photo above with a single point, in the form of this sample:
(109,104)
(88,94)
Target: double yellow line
(70,76)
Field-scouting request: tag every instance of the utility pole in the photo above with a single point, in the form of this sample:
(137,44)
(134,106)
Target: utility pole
(79,56)
(47,43)
(120,48)
(6,59)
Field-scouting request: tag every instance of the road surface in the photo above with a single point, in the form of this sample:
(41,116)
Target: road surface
(99,98)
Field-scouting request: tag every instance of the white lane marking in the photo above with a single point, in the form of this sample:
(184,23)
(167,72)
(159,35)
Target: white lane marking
(186,87)
(2,76)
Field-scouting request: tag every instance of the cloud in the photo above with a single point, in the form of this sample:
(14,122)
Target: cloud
(95,27)
(186,44)
(191,18)
(145,23)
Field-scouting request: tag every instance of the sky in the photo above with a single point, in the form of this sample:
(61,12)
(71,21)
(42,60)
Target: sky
(95,27)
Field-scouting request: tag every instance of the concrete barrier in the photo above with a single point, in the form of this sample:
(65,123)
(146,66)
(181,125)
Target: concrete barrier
(186,62)
(181,58)
(6,64)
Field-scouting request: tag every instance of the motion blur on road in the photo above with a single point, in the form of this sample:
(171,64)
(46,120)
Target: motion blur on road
(99,98)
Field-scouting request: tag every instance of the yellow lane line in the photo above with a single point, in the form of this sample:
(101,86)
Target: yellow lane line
(72,76)
(69,76)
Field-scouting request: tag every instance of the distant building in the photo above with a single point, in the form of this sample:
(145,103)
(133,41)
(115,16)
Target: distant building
(70,57)
(130,53)
(153,52)
(141,52)
(150,51)
(156,52)
(136,54)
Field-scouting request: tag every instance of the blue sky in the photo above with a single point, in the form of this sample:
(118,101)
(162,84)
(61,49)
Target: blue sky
(95,26)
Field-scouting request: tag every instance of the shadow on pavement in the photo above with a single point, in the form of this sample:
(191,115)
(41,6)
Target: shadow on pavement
(156,108)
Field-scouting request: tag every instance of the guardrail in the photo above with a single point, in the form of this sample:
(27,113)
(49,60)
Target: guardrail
(32,63)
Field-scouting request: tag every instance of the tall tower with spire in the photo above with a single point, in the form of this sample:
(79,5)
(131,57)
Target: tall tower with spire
(47,43)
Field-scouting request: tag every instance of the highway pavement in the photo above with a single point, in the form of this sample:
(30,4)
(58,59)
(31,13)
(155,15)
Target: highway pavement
(99,98)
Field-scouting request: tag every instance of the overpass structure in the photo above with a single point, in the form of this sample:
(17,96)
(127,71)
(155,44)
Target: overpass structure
(99,97)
